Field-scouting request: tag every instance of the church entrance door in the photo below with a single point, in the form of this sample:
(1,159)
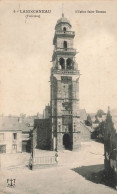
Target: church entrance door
(66,141)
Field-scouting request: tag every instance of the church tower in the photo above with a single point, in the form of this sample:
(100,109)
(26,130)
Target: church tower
(64,89)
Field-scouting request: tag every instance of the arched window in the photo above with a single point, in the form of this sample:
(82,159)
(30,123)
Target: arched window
(65,44)
(62,63)
(64,29)
(69,63)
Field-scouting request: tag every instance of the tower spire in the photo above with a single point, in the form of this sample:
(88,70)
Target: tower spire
(62,11)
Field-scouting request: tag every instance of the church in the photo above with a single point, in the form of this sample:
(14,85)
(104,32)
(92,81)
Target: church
(63,129)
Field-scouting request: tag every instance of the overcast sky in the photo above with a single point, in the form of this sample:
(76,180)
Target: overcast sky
(26,48)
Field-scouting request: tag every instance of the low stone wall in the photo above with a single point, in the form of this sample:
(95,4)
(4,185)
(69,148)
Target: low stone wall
(44,159)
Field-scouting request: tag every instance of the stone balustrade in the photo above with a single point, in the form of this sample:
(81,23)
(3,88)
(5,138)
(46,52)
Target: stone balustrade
(65,50)
(65,32)
(65,71)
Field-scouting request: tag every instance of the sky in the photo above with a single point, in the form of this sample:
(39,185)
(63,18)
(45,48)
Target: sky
(26,48)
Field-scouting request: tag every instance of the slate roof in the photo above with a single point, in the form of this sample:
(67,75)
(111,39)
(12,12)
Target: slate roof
(83,114)
(83,126)
(9,124)
(63,20)
(13,124)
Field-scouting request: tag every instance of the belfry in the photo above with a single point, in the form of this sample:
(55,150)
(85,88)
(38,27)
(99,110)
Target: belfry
(64,100)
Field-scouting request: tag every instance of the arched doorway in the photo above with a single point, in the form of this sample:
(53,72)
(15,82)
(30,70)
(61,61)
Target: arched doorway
(66,141)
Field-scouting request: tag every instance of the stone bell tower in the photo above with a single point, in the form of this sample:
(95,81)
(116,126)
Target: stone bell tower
(64,89)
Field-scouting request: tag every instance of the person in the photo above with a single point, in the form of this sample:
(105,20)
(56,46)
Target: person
(115,177)
(30,162)
(56,157)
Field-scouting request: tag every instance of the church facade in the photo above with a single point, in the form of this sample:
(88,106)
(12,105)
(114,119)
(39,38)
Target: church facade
(66,129)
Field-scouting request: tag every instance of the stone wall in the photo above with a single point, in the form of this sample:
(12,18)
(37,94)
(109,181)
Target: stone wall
(43,133)
(60,141)
(85,134)
(76,141)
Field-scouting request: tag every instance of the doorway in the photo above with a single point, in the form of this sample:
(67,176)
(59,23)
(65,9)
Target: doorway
(66,141)
(14,148)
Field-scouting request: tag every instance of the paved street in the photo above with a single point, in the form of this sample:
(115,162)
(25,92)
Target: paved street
(78,172)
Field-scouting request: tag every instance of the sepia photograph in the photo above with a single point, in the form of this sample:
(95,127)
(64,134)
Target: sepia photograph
(58,97)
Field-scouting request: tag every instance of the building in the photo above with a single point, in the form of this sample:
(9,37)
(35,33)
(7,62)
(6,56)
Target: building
(64,88)
(10,135)
(42,130)
(26,136)
(83,115)
(15,134)
(47,112)
(65,127)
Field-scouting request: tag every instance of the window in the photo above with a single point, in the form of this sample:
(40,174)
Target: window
(2,149)
(14,136)
(69,63)
(1,136)
(64,29)
(14,147)
(62,63)
(65,44)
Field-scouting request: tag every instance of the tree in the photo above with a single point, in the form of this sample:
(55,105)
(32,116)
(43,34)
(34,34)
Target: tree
(88,121)
(100,112)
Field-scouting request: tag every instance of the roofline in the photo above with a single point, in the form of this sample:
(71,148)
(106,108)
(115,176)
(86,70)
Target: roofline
(63,23)
(7,130)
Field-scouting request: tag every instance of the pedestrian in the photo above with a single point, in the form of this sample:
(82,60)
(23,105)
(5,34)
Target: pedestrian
(30,163)
(56,157)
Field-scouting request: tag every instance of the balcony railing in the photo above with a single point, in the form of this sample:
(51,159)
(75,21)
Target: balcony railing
(65,32)
(44,160)
(65,50)
(65,71)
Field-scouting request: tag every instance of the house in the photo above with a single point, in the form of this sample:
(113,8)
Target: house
(15,133)
(10,135)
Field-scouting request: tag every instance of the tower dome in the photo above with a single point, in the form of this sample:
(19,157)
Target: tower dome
(63,20)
